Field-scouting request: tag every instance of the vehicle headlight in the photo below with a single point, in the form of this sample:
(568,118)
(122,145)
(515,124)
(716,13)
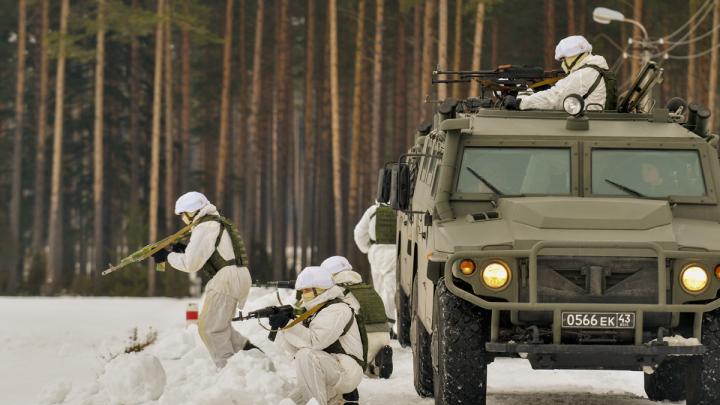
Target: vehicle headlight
(694,279)
(467,267)
(496,275)
(573,104)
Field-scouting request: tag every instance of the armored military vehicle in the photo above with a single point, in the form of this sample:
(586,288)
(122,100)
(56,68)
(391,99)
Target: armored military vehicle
(576,239)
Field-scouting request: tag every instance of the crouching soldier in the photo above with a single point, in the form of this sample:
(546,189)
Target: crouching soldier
(216,248)
(367,303)
(324,341)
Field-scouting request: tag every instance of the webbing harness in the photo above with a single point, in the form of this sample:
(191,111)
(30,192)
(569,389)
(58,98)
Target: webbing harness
(216,261)
(335,347)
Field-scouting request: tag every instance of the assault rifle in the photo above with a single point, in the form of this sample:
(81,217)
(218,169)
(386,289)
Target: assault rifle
(149,250)
(506,79)
(287,310)
(275,284)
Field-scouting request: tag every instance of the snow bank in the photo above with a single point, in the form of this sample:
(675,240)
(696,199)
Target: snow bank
(133,378)
(678,340)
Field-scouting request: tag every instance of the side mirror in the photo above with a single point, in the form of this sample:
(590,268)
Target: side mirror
(403,187)
(400,187)
(383,190)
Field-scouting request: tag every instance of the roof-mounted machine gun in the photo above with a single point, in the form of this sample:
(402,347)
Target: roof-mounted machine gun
(506,79)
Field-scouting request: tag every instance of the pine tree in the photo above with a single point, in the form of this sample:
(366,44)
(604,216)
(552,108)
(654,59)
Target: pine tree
(53,259)
(98,234)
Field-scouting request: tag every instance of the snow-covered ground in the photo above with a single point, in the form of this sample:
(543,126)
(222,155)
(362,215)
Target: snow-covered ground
(58,350)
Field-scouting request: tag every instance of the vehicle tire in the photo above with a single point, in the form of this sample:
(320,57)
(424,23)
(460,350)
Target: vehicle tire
(404,312)
(667,383)
(460,330)
(422,356)
(703,383)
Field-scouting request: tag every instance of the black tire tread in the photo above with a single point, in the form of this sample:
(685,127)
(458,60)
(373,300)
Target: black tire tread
(460,330)
(703,384)
(422,354)
(404,313)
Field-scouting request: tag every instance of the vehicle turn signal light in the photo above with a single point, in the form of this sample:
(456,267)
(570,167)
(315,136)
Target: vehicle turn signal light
(694,278)
(717,271)
(496,275)
(467,267)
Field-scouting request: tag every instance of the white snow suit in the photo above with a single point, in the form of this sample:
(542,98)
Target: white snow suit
(382,260)
(578,81)
(224,293)
(322,375)
(376,340)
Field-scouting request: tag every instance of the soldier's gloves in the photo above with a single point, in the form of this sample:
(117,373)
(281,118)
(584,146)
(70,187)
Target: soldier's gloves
(179,247)
(160,256)
(510,102)
(279,320)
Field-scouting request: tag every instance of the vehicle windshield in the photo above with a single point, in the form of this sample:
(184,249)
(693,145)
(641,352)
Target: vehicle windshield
(515,171)
(647,173)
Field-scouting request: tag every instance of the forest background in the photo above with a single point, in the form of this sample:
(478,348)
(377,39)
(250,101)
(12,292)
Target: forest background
(280,111)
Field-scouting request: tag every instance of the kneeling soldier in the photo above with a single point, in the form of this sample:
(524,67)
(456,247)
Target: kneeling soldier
(324,341)
(367,303)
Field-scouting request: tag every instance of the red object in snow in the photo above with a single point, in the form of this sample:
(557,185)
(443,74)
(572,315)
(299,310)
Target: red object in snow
(191,313)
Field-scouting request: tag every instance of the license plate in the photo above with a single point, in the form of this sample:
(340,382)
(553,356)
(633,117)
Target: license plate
(598,320)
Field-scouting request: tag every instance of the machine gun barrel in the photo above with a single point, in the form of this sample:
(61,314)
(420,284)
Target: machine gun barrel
(276,284)
(149,250)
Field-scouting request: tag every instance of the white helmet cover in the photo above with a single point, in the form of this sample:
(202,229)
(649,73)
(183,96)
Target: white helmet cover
(190,202)
(336,264)
(314,277)
(571,46)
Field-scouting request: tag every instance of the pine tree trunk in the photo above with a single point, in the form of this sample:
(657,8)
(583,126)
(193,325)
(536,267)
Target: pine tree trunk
(442,46)
(239,135)
(186,109)
(637,34)
(39,203)
(414,114)
(549,34)
(53,264)
(155,144)
(477,47)
(169,128)
(98,180)
(691,64)
(220,179)
(571,26)
(457,45)
(136,137)
(376,140)
(280,142)
(494,43)
(356,142)
(427,62)
(16,197)
(335,123)
(310,133)
(400,94)
(253,174)
(713,80)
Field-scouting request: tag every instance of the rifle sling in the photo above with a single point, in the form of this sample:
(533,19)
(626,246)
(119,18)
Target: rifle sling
(307,314)
(595,84)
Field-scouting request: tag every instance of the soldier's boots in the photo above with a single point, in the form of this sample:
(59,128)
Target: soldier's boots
(352,397)
(384,363)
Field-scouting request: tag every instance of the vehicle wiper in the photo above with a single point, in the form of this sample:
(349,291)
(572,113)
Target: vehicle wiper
(487,183)
(626,189)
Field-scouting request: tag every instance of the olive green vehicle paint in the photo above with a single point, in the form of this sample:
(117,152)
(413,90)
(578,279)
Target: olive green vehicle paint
(597,214)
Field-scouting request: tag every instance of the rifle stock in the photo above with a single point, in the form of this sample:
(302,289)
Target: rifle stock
(149,250)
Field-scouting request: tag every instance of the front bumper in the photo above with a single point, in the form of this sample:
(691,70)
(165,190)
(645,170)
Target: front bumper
(557,308)
(616,357)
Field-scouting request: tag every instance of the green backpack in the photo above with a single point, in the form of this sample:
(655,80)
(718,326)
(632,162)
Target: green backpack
(610,86)
(385,225)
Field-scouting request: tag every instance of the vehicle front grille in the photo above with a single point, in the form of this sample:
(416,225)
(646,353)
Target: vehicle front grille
(590,279)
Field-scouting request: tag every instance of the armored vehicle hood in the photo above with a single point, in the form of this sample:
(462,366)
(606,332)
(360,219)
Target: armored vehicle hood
(521,222)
